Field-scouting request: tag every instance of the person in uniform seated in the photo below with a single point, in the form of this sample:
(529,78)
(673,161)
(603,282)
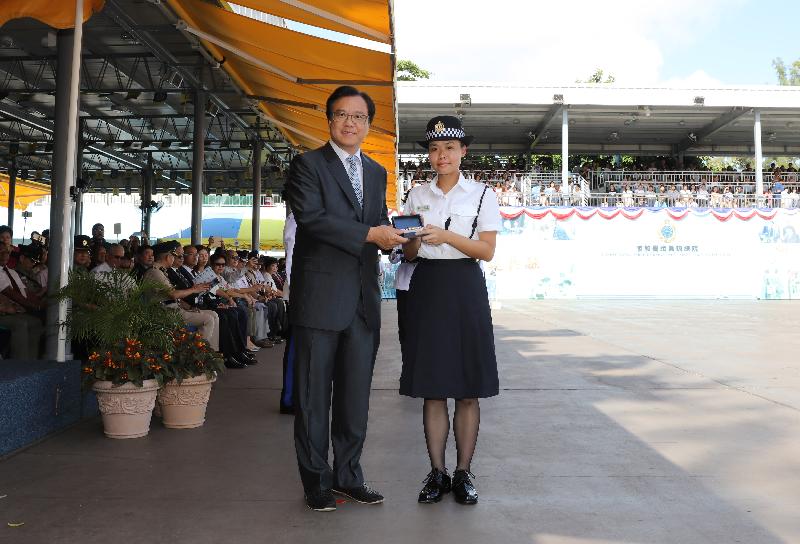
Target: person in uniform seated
(206,321)
(448,341)
(81,253)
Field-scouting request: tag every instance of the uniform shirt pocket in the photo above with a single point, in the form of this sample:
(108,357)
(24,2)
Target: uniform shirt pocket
(462,217)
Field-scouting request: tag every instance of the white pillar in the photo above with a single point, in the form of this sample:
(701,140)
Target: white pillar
(564,152)
(759,158)
(64,160)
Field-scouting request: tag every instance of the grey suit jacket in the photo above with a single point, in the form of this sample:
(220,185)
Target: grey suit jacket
(333,268)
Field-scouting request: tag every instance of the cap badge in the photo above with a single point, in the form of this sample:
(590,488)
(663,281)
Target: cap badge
(439,127)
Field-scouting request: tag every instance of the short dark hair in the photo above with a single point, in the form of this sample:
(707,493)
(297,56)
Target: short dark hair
(142,248)
(269,261)
(345,91)
(6,228)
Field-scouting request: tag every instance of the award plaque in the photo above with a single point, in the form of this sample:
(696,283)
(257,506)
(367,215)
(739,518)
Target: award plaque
(409,224)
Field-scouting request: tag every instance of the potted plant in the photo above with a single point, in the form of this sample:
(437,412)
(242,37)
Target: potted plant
(193,368)
(128,336)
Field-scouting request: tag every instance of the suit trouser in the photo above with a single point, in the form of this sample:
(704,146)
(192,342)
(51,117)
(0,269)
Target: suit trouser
(26,333)
(341,363)
(232,330)
(207,323)
(288,371)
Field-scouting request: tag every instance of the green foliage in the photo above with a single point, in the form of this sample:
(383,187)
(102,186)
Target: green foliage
(597,77)
(409,71)
(787,76)
(110,313)
(193,356)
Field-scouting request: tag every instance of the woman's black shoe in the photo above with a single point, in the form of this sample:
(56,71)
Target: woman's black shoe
(233,362)
(463,490)
(437,483)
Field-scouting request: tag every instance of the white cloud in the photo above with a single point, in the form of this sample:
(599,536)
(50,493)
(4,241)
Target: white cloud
(550,42)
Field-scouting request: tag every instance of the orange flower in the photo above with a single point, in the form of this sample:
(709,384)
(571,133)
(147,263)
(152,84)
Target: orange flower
(167,357)
(94,356)
(87,370)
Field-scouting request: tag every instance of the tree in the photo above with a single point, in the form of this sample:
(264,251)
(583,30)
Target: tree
(597,77)
(790,76)
(409,71)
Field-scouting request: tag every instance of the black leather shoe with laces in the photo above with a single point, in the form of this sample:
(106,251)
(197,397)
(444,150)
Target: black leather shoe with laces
(463,490)
(363,494)
(437,483)
(320,500)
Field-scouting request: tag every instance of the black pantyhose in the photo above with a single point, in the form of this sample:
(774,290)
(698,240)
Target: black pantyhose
(436,422)
(466,422)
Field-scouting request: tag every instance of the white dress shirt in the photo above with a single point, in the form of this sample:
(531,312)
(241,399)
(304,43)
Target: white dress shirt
(460,204)
(289,234)
(5,281)
(343,156)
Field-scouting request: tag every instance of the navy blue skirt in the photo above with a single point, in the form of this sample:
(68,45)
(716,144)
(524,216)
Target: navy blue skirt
(447,336)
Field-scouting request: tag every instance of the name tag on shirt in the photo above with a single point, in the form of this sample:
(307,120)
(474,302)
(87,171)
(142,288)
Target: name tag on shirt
(424,208)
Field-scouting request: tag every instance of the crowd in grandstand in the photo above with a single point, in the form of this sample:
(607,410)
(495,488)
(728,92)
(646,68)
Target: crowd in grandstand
(655,183)
(234,298)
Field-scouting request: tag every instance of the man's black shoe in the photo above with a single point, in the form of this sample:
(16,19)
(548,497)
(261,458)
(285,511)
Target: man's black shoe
(363,494)
(320,500)
(275,339)
(463,490)
(437,484)
(247,358)
(233,362)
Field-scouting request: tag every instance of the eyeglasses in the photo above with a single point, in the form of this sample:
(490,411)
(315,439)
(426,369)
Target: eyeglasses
(219,264)
(357,118)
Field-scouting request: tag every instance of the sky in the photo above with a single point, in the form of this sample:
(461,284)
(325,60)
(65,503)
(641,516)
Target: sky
(640,42)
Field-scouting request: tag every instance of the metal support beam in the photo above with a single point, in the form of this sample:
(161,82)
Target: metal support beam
(541,128)
(198,159)
(564,151)
(12,191)
(256,234)
(147,197)
(714,126)
(759,164)
(65,142)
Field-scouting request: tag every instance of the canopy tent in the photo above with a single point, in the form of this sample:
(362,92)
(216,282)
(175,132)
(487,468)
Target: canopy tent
(26,192)
(364,18)
(56,14)
(292,73)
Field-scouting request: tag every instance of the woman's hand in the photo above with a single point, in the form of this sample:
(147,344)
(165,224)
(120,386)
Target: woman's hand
(435,236)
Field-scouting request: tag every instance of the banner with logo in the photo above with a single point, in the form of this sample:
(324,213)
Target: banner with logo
(643,253)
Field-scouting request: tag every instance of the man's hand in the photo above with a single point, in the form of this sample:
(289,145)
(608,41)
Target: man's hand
(385,237)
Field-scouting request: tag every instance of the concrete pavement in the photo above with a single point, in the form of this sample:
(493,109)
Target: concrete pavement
(618,421)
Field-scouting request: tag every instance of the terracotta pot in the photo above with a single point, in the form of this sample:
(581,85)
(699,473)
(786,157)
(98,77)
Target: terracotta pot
(184,406)
(126,408)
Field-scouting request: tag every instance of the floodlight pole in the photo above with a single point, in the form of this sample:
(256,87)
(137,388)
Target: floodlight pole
(255,243)
(12,191)
(564,153)
(198,158)
(759,158)
(64,155)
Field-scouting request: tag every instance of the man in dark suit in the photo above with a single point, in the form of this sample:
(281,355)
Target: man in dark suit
(338,196)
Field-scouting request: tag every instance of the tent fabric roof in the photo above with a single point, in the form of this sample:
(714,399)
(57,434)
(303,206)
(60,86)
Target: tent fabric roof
(26,192)
(56,14)
(364,18)
(313,67)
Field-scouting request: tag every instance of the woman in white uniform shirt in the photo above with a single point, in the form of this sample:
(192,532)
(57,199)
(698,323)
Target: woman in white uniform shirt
(448,340)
